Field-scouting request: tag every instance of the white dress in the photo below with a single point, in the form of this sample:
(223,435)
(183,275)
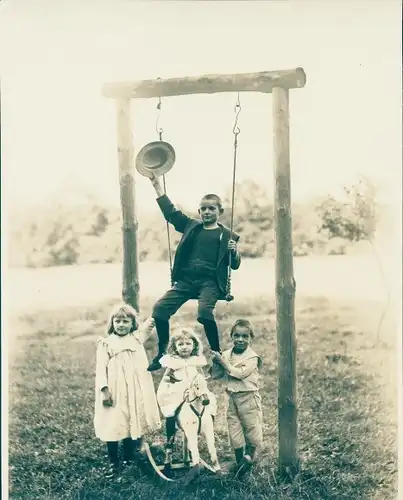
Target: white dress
(122,366)
(170,396)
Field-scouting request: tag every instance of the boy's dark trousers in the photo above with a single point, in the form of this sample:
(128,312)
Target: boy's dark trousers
(206,291)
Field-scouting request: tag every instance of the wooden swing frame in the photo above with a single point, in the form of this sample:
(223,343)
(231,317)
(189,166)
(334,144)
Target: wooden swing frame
(278,83)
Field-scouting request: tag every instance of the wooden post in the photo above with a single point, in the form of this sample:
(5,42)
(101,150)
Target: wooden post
(131,287)
(285,289)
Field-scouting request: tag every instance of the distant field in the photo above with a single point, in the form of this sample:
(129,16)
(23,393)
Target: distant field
(341,277)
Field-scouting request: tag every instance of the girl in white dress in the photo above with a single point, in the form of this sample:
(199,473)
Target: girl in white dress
(125,403)
(183,362)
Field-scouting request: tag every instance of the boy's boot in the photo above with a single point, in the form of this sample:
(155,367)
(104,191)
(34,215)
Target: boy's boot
(239,452)
(250,451)
(162,327)
(247,461)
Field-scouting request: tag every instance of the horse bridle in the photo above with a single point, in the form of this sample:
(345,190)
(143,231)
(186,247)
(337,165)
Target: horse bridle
(186,400)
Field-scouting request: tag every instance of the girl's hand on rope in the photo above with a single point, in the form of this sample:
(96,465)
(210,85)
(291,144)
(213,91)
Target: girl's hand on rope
(107,397)
(232,246)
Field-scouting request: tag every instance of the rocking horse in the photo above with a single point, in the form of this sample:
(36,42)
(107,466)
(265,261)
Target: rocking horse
(193,418)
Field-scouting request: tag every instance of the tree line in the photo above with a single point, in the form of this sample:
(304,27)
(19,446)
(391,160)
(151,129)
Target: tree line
(90,232)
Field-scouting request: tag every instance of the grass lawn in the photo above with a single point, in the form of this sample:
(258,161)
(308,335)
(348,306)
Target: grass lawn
(347,409)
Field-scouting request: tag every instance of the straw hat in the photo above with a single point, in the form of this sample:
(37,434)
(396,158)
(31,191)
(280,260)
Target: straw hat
(156,158)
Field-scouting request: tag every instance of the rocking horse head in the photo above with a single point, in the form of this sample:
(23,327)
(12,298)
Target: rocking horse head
(198,390)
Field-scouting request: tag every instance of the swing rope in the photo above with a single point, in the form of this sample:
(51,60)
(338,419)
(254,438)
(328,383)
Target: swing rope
(236,131)
(160,130)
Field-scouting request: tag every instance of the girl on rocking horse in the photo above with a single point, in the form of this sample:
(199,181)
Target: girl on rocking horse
(183,363)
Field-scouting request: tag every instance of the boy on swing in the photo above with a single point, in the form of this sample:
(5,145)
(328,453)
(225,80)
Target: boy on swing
(200,267)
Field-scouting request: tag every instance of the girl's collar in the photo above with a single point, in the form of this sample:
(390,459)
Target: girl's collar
(176,362)
(248,353)
(129,335)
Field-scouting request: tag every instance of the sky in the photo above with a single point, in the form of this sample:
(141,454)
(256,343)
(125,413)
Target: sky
(59,132)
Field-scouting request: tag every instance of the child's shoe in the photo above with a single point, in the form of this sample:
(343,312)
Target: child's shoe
(154,365)
(239,455)
(172,378)
(111,471)
(245,466)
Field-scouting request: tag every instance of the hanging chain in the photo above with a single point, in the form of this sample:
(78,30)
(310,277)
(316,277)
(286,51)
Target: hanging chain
(169,238)
(160,130)
(236,131)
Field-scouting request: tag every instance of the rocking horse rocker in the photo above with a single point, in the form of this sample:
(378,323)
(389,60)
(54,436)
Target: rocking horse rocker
(194,417)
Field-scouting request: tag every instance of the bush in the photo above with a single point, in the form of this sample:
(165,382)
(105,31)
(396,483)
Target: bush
(354,218)
(90,232)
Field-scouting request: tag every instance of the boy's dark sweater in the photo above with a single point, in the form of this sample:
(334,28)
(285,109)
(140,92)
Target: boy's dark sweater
(202,254)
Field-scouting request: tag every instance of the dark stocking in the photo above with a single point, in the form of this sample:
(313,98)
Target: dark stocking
(210,327)
(162,327)
(137,444)
(170,426)
(112,447)
(128,446)
(238,455)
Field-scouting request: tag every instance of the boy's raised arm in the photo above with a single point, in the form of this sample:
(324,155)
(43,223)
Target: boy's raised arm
(157,186)
(174,216)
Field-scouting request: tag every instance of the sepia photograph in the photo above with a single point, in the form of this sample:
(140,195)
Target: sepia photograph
(201,249)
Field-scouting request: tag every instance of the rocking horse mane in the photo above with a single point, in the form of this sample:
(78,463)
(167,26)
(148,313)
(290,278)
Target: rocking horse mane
(199,377)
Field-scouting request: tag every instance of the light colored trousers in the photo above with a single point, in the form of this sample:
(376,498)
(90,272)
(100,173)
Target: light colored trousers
(244,419)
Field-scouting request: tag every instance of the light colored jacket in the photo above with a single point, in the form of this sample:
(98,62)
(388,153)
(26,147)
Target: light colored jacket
(244,374)
(170,396)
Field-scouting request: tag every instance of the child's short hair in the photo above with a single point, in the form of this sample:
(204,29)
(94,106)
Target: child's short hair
(185,333)
(215,197)
(244,323)
(126,310)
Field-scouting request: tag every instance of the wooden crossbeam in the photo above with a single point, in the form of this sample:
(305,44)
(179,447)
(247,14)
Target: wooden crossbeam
(207,84)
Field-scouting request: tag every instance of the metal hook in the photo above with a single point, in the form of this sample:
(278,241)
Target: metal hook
(236,130)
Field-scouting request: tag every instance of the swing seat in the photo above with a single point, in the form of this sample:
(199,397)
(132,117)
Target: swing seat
(227,298)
